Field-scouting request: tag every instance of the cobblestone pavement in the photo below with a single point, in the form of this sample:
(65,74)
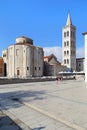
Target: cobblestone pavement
(46,105)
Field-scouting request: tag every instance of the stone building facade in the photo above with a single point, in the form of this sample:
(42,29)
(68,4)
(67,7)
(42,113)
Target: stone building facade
(51,66)
(69,45)
(23,59)
(1,67)
(80,64)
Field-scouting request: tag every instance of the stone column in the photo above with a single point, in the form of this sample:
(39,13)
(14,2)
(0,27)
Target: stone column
(85,38)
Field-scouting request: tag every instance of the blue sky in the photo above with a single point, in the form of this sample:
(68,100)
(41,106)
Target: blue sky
(41,20)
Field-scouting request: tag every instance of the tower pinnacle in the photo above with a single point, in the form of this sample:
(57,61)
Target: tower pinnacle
(69,21)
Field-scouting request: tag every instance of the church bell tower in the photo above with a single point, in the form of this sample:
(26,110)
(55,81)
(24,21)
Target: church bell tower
(69,45)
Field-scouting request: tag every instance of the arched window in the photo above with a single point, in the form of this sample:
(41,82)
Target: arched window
(64,61)
(67,33)
(67,43)
(67,52)
(71,33)
(71,43)
(71,52)
(35,67)
(64,52)
(64,43)
(64,34)
(67,61)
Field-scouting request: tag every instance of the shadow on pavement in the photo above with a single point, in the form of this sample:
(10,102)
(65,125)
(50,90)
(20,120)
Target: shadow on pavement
(15,97)
(39,128)
(7,123)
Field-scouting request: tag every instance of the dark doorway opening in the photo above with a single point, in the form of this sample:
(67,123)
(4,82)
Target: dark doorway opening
(5,69)
(18,72)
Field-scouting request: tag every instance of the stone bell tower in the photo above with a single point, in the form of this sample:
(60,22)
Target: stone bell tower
(69,44)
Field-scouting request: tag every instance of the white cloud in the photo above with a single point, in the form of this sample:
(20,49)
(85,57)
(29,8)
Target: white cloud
(80,53)
(57,51)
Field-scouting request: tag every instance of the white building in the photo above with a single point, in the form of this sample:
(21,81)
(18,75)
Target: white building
(23,59)
(85,37)
(69,45)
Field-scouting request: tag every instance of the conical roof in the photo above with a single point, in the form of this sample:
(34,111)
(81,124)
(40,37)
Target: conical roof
(69,21)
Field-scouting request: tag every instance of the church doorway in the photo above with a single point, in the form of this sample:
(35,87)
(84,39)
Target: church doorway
(5,69)
(18,72)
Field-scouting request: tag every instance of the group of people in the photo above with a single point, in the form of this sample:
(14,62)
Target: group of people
(59,78)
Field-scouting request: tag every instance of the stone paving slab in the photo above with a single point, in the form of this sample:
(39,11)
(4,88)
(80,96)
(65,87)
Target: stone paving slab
(66,100)
(6,123)
(34,119)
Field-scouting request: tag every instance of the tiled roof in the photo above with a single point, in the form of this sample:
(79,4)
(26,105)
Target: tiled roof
(25,37)
(47,57)
(50,56)
(26,44)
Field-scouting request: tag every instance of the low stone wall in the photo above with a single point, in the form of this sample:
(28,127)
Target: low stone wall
(15,80)
(4,80)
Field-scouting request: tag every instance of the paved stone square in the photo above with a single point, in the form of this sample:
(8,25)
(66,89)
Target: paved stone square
(46,105)
(6,123)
